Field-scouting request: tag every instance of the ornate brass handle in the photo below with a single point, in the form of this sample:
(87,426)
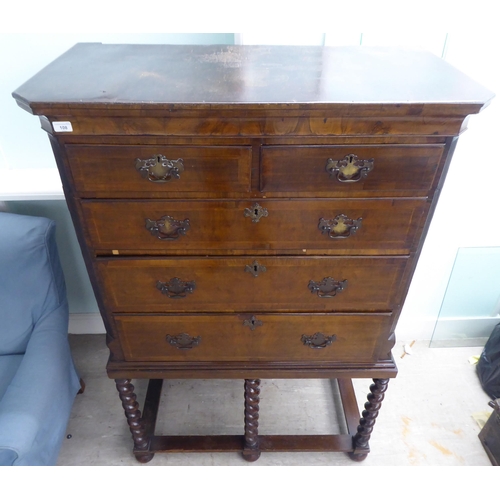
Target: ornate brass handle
(159,168)
(183,341)
(327,287)
(167,228)
(255,268)
(339,227)
(350,169)
(255,212)
(318,340)
(176,288)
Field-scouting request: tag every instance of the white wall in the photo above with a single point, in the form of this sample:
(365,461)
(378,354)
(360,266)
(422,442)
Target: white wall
(468,210)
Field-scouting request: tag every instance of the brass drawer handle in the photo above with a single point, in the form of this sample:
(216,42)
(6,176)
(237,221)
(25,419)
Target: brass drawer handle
(159,168)
(339,227)
(255,212)
(350,169)
(176,288)
(327,287)
(252,323)
(318,340)
(255,269)
(167,228)
(183,341)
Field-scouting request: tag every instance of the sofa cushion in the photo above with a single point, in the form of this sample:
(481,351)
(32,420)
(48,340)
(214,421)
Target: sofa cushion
(28,254)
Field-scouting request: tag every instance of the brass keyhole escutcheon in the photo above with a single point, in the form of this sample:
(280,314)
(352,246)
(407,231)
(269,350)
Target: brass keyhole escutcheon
(252,323)
(255,212)
(255,268)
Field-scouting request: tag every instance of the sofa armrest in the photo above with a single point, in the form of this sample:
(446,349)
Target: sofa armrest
(35,409)
(7,456)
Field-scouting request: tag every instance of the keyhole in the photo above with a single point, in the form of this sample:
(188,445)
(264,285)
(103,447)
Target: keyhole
(255,268)
(256,211)
(252,323)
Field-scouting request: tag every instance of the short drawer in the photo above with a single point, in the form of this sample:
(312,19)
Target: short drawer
(353,226)
(251,284)
(139,171)
(294,337)
(350,171)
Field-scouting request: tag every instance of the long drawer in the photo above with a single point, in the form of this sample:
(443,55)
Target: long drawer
(350,171)
(391,226)
(251,284)
(119,171)
(288,337)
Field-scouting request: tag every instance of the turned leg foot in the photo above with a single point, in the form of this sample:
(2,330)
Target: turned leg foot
(367,421)
(359,457)
(251,451)
(144,459)
(133,414)
(82,386)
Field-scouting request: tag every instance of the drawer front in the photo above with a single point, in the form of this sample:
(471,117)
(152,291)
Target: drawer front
(350,171)
(331,338)
(346,226)
(117,171)
(251,284)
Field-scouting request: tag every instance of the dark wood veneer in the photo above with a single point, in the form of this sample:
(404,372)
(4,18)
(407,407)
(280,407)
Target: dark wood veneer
(222,284)
(396,169)
(245,213)
(224,337)
(388,225)
(110,169)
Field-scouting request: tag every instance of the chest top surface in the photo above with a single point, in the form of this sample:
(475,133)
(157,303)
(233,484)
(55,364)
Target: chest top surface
(107,77)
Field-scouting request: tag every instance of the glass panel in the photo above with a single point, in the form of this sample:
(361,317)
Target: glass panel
(471,304)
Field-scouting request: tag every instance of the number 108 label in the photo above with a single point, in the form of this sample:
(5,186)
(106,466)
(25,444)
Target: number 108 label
(62,127)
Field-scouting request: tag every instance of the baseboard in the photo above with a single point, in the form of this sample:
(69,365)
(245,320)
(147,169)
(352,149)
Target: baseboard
(86,323)
(466,330)
(447,331)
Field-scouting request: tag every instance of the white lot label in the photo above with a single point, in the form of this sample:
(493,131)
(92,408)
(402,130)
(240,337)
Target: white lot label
(62,127)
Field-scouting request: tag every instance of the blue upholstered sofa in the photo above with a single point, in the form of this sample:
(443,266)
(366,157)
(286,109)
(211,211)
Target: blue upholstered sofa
(38,380)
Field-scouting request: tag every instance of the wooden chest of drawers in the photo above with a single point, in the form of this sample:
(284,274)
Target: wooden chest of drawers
(251,212)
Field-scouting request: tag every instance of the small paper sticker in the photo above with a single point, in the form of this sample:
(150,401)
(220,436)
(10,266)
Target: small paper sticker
(62,127)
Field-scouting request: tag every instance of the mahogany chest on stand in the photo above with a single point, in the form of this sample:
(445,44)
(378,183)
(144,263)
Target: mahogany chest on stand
(251,212)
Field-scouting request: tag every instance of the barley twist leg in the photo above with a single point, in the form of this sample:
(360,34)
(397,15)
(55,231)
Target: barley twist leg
(133,414)
(367,421)
(251,450)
